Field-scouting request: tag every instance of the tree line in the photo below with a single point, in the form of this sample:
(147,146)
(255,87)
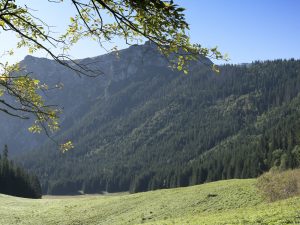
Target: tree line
(16,181)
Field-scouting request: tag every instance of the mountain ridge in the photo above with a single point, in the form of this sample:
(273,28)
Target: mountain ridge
(54,74)
(145,126)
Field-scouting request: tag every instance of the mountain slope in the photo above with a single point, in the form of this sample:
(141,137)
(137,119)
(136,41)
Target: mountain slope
(142,126)
(223,202)
(78,93)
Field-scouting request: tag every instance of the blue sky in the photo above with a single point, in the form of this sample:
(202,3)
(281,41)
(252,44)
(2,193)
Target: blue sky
(246,30)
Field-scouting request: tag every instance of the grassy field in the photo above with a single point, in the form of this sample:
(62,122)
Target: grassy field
(223,202)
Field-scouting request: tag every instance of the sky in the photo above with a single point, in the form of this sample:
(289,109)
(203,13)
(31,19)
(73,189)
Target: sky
(245,30)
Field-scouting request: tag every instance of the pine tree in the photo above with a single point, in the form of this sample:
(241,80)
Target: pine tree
(15,181)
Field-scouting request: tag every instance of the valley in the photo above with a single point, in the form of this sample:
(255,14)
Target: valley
(158,112)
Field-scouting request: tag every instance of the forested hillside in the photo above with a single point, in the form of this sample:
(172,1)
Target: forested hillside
(144,126)
(15,181)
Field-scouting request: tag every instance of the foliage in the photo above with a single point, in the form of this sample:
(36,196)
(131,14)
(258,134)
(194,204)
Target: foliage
(15,181)
(234,202)
(277,185)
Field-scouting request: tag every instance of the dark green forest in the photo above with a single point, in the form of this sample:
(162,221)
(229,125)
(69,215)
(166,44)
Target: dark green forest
(16,181)
(161,129)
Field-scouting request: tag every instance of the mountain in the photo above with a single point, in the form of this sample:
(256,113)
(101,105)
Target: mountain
(142,126)
(78,92)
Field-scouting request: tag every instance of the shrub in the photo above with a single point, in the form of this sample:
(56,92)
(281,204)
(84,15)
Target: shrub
(276,185)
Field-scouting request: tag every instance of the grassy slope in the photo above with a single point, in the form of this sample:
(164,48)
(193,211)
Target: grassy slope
(223,202)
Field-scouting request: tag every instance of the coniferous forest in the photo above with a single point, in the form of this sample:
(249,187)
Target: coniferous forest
(16,181)
(160,129)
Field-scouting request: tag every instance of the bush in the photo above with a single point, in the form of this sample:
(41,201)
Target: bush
(276,185)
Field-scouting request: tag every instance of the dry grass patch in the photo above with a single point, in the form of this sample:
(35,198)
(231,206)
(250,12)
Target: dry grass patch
(276,185)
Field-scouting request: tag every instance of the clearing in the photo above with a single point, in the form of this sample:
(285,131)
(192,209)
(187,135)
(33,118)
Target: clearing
(222,202)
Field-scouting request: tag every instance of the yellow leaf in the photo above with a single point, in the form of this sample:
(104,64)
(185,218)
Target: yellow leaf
(66,146)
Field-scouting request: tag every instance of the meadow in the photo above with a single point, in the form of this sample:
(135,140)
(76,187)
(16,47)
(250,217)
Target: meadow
(223,202)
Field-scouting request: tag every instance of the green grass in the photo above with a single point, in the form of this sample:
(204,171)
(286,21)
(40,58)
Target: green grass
(223,202)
